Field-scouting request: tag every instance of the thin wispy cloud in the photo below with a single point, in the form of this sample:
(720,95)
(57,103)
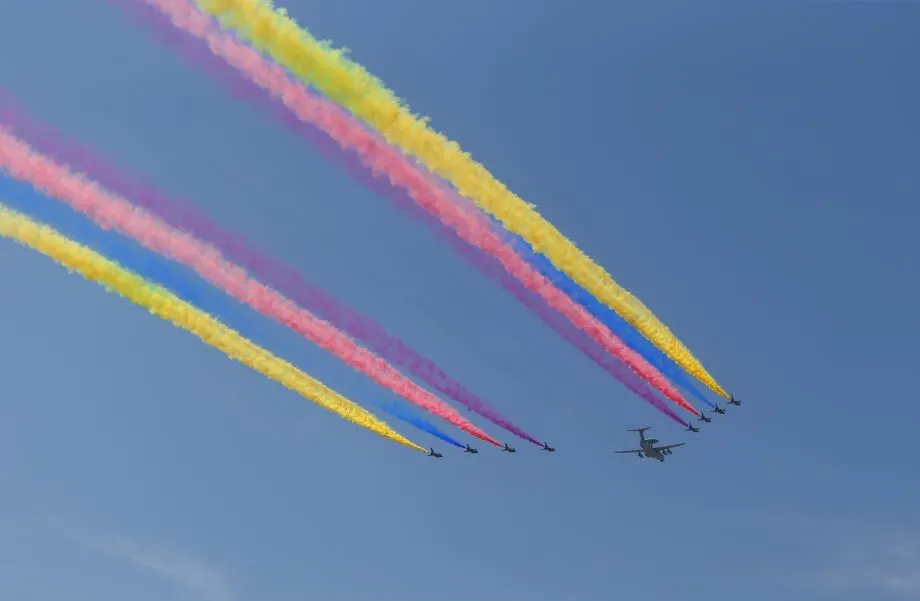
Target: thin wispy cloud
(887,564)
(854,556)
(181,569)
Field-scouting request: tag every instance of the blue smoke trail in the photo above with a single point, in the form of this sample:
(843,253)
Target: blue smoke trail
(403,413)
(156,269)
(607,316)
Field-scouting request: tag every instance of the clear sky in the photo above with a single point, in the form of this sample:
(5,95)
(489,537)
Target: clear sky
(751,174)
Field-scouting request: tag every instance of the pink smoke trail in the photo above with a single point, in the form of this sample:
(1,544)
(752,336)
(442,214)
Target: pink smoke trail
(112,212)
(383,159)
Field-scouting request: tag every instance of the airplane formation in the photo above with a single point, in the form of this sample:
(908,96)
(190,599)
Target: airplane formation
(646,450)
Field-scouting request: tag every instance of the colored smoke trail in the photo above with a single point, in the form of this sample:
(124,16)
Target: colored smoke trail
(161,303)
(405,414)
(153,268)
(196,51)
(286,280)
(381,158)
(348,83)
(490,268)
(619,326)
(110,211)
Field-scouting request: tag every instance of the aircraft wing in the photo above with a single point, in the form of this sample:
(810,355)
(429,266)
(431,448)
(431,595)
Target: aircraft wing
(633,451)
(670,446)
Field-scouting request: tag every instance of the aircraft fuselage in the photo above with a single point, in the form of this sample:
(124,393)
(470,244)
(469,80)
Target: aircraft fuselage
(649,450)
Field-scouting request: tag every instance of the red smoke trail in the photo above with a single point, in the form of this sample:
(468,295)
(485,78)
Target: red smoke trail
(383,159)
(110,211)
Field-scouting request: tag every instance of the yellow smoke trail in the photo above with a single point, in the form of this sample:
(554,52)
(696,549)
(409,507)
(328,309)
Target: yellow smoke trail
(272,31)
(165,305)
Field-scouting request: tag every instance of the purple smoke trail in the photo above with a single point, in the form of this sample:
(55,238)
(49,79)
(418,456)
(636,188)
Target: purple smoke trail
(243,88)
(183,216)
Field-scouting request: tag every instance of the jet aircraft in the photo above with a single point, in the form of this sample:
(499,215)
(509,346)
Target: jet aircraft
(719,410)
(546,447)
(508,449)
(732,401)
(470,449)
(433,453)
(704,417)
(648,448)
(692,428)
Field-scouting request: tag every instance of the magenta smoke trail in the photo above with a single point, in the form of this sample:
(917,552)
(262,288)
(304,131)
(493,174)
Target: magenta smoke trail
(108,211)
(263,267)
(289,281)
(381,158)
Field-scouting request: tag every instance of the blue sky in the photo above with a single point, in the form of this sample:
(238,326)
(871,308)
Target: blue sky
(750,174)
